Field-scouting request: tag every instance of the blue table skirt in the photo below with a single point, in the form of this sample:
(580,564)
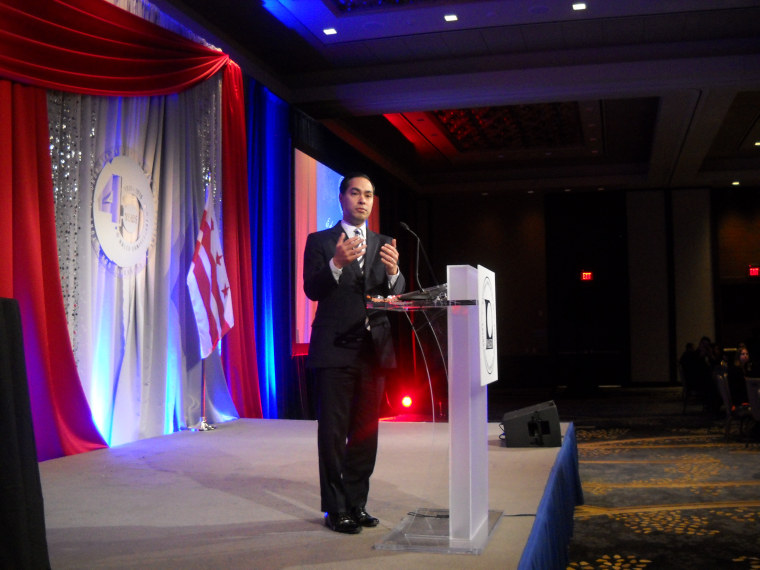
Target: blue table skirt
(547,546)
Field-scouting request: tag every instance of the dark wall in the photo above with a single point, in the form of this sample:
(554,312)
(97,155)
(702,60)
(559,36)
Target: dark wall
(588,320)
(506,234)
(553,328)
(737,219)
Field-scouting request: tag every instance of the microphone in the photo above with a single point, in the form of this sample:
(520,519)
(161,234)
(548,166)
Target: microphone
(405,226)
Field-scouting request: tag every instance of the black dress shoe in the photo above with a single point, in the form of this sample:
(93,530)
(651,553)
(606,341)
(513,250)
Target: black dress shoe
(342,522)
(363,518)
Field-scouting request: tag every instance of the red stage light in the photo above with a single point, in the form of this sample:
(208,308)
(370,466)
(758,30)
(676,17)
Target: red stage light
(406,401)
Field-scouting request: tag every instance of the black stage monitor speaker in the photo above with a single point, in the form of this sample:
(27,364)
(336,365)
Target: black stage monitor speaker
(534,426)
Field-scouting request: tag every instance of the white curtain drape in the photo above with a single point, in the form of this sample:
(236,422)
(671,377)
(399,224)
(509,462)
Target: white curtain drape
(132,328)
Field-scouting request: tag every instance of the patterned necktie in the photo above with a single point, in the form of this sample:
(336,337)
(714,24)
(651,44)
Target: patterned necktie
(358,233)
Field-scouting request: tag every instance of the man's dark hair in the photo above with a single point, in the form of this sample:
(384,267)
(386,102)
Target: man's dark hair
(349,176)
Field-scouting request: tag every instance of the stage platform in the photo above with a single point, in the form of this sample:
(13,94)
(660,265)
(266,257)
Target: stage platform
(246,495)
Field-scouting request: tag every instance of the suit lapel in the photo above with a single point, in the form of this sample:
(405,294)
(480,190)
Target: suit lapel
(337,229)
(373,245)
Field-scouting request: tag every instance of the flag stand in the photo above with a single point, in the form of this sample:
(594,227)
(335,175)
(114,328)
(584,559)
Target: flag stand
(203,425)
(210,296)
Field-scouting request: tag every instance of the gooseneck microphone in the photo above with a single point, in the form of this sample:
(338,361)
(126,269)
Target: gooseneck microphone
(428,322)
(417,256)
(405,226)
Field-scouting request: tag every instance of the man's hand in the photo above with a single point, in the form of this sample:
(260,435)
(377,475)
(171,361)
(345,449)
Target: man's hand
(389,257)
(347,250)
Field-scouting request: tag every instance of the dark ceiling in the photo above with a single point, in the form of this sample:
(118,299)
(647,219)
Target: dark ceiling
(517,95)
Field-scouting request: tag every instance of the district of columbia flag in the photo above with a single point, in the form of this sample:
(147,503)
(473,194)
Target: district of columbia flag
(208,284)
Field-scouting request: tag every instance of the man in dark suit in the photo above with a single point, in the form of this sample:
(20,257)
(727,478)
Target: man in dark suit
(350,348)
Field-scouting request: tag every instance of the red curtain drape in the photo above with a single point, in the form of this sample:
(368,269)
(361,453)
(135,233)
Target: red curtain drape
(92,47)
(29,273)
(239,344)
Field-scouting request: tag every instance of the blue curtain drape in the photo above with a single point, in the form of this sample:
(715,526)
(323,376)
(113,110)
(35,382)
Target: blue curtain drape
(269,167)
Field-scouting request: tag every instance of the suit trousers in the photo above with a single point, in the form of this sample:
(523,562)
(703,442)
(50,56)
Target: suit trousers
(348,410)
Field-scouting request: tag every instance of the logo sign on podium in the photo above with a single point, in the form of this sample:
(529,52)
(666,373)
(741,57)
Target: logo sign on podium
(489,365)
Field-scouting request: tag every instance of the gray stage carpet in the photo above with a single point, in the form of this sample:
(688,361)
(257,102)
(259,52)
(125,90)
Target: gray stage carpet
(246,495)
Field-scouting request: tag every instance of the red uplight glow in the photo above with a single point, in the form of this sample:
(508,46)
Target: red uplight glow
(406,401)
(587,275)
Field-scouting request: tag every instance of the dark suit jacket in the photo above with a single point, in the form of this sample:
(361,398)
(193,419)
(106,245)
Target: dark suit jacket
(339,324)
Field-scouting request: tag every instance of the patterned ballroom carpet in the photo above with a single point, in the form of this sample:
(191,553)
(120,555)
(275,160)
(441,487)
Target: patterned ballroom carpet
(666,496)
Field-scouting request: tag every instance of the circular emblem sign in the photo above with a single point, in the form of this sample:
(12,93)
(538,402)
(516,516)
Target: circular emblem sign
(123,212)
(488,325)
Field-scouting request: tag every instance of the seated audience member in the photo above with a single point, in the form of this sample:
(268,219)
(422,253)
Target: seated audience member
(705,382)
(718,355)
(690,366)
(739,367)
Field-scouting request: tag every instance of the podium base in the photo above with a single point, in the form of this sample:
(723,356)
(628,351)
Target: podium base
(427,530)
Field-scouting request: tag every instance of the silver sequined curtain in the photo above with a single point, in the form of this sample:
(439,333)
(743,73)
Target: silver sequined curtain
(132,328)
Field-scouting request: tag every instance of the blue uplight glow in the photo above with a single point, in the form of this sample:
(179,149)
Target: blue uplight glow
(270,201)
(172,382)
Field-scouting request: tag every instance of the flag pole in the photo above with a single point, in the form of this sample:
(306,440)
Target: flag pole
(204,426)
(209,291)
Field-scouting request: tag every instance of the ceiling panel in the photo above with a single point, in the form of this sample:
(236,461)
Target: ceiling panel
(466,43)
(665,93)
(426,46)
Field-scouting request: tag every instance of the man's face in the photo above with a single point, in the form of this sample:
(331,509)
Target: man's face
(357,201)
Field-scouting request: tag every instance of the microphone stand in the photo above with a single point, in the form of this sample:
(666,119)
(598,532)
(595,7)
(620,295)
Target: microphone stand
(405,226)
(428,322)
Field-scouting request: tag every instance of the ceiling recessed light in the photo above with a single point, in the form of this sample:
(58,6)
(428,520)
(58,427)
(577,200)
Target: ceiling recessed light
(450,17)
(579,6)
(329,31)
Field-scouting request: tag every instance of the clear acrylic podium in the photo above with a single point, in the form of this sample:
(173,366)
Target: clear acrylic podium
(471,340)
